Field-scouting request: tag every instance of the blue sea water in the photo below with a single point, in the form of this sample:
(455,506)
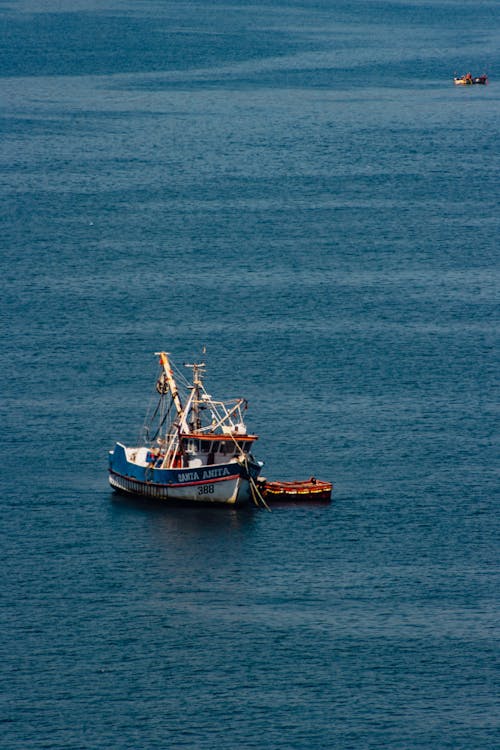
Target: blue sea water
(298,187)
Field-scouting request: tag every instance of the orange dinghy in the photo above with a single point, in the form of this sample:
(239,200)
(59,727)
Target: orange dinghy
(298,491)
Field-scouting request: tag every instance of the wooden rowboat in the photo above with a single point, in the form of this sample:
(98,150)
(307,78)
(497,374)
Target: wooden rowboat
(298,491)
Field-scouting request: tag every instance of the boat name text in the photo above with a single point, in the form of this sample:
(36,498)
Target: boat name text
(199,476)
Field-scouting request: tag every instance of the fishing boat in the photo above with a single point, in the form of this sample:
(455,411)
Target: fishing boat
(195,449)
(470,80)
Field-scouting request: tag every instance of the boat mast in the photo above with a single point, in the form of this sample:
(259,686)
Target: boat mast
(167,369)
(172,439)
(197,367)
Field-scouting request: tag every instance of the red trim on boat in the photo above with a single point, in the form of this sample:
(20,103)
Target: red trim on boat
(214,436)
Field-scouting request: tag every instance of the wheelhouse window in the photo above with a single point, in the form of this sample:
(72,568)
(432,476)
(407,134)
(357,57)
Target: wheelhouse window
(192,446)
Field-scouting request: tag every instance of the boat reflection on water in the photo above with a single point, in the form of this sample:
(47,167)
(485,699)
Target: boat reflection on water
(180,526)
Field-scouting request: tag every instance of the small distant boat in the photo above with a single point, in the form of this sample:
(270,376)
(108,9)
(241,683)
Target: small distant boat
(306,490)
(470,80)
(195,449)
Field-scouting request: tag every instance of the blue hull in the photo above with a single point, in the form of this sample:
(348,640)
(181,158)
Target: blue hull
(222,483)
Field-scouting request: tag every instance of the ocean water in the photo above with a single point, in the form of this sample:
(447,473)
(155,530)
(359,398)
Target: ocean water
(298,187)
